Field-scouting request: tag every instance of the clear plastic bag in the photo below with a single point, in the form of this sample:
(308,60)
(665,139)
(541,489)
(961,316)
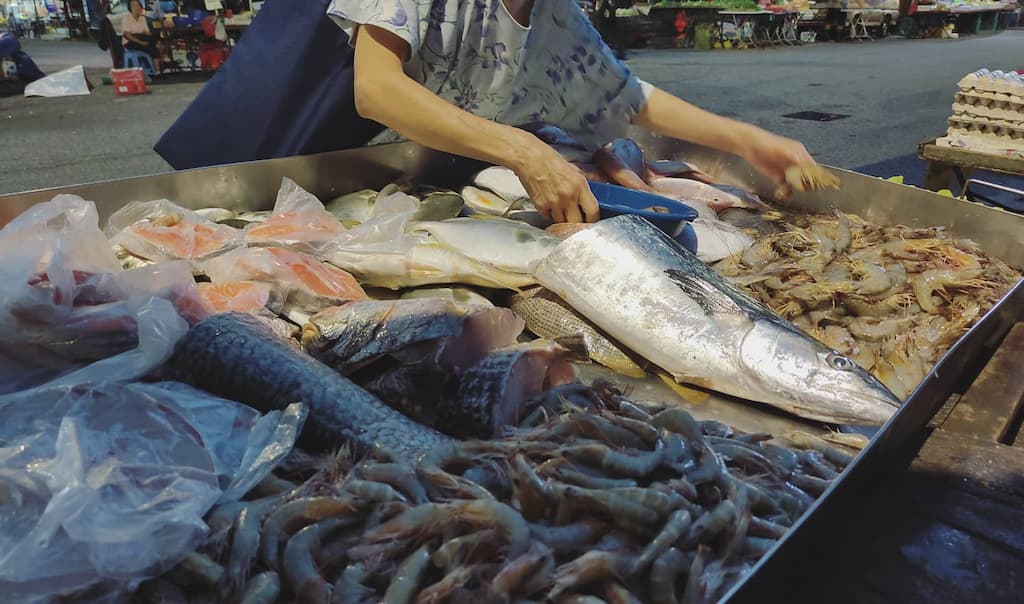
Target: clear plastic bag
(69,82)
(298,219)
(107,483)
(161,230)
(311,284)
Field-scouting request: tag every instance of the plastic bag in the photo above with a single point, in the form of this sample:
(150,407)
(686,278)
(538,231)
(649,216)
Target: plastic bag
(69,82)
(311,283)
(66,300)
(64,291)
(161,230)
(113,481)
(298,219)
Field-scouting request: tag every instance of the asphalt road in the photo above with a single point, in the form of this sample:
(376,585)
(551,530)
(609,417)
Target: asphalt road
(895,94)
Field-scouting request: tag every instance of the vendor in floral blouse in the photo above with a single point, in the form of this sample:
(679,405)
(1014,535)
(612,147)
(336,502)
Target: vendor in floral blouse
(457,75)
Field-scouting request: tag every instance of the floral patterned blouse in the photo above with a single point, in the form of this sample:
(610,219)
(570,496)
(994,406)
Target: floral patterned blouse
(474,54)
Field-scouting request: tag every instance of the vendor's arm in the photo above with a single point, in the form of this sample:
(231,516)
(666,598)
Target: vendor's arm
(673,117)
(385,94)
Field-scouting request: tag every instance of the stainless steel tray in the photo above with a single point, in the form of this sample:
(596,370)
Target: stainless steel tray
(254,185)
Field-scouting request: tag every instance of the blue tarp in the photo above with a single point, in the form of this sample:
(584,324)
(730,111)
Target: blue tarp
(286,90)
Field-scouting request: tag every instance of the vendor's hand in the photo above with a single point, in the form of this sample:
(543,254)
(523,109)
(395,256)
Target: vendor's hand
(772,155)
(558,189)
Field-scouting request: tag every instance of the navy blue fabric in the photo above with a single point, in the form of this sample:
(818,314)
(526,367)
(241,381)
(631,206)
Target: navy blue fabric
(286,89)
(28,71)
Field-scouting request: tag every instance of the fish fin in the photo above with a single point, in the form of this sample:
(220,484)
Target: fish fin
(576,345)
(711,300)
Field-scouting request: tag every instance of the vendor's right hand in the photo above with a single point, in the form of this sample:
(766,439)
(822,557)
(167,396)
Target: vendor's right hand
(558,189)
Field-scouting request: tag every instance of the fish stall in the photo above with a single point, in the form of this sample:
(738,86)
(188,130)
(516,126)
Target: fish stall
(379,374)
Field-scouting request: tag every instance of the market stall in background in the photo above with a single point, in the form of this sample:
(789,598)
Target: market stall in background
(760,23)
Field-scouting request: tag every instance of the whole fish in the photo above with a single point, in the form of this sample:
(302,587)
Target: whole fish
(507,245)
(413,261)
(644,290)
(682,169)
(623,161)
(717,197)
(717,239)
(492,394)
(426,330)
(233,355)
(461,296)
(549,317)
(353,208)
(502,181)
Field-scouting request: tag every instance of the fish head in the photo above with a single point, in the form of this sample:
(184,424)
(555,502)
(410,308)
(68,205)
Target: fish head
(803,374)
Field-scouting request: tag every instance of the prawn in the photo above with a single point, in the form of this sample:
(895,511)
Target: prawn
(290,517)
(408,577)
(677,525)
(264,588)
(590,568)
(663,576)
(300,567)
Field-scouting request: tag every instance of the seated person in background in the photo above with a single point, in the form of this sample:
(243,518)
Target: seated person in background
(136,35)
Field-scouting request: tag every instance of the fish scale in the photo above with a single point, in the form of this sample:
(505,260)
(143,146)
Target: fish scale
(233,355)
(548,317)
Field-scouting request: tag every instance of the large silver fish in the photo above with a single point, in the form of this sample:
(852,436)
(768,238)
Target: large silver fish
(651,295)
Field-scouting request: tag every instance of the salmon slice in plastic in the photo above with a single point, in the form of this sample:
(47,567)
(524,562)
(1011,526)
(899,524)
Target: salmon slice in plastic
(241,296)
(161,230)
(311,283)
(298,219)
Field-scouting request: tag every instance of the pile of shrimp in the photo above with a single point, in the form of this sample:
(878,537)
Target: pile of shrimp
(601,500)
(893,299)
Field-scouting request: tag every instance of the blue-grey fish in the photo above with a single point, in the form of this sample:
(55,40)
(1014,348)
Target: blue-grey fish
(235,356)
(651,295)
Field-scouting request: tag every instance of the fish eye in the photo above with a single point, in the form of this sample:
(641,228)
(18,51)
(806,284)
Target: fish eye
(838,362)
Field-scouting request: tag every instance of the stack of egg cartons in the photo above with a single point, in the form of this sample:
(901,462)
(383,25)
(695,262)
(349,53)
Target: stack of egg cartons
(988,114)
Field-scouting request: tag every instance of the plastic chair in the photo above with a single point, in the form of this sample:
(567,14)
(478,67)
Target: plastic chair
(137,58)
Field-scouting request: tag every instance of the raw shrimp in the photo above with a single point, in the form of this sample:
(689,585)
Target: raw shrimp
(711,524)
(759,527)
(873,278)
(300,567)
(561,470)
(817,466)
(874,330)
(264,588)
(663,576)
(531,493)
(677,525)
(805,440)
(599,428)
(200,570)
(635,466)
(512,577)
(292,516)
(369,490)
(399,475)
(245,542)
(932,280)
(443,589)
(590,568)
(615,593)
(461,549)
(408,577)
(349,588)
(617,507)
(569,538)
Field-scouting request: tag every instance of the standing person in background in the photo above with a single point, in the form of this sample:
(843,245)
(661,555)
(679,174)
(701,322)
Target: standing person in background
(608,25)
(136,35)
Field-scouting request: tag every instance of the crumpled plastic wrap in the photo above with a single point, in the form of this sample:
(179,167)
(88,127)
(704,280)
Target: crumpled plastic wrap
(104,481)
(66,301)
(69,82)
(161,230)
(298,220)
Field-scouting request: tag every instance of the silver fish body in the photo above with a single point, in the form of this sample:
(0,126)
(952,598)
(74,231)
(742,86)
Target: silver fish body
(651,295)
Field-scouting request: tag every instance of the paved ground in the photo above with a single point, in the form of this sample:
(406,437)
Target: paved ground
(896,92)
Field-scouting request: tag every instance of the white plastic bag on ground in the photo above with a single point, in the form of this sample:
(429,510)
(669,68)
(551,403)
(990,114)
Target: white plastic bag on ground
(69,82)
